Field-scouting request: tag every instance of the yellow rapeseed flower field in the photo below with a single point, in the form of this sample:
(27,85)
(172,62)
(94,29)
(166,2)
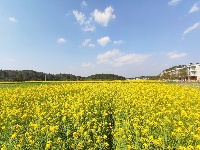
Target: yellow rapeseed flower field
(104,115)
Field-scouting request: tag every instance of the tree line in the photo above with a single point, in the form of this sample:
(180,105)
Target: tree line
(30,75)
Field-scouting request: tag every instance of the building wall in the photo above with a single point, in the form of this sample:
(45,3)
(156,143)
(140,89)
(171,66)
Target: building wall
(194,71)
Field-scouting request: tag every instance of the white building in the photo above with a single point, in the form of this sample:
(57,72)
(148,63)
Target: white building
(193,71)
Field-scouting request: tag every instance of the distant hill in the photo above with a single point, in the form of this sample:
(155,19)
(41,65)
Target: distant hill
(105,77)
(174,68)
(175,73)
(28,75)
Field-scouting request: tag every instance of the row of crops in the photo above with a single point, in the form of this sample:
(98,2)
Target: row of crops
(97,116)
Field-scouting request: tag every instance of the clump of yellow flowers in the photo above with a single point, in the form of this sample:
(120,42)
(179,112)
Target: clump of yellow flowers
(104,115)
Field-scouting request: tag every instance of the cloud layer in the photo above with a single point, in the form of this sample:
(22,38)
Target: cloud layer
(83,21)
(91,45)
(97,16)
(116,58)
(191,28)
(103,17)
(175,55)
(194,8)
(103,41)
(61,40)
(83,4)
(12,19)
(86,42)
(174,2)
(118,42)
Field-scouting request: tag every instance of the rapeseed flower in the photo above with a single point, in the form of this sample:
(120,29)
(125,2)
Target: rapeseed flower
(121,115)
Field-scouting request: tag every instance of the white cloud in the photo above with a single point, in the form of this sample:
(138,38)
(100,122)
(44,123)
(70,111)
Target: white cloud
(174,2)
(193,27)
(103,41)
(118,42)
(83,4)
(87,65)
(86,42)
(83,21)
(117,58)
(89,28)
(103,17)
(174,55)
(194,8)
(91,45)
(80,17)
(12,19)
(61,40)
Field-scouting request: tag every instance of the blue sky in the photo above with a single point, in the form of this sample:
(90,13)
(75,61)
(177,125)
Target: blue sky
(129,38)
